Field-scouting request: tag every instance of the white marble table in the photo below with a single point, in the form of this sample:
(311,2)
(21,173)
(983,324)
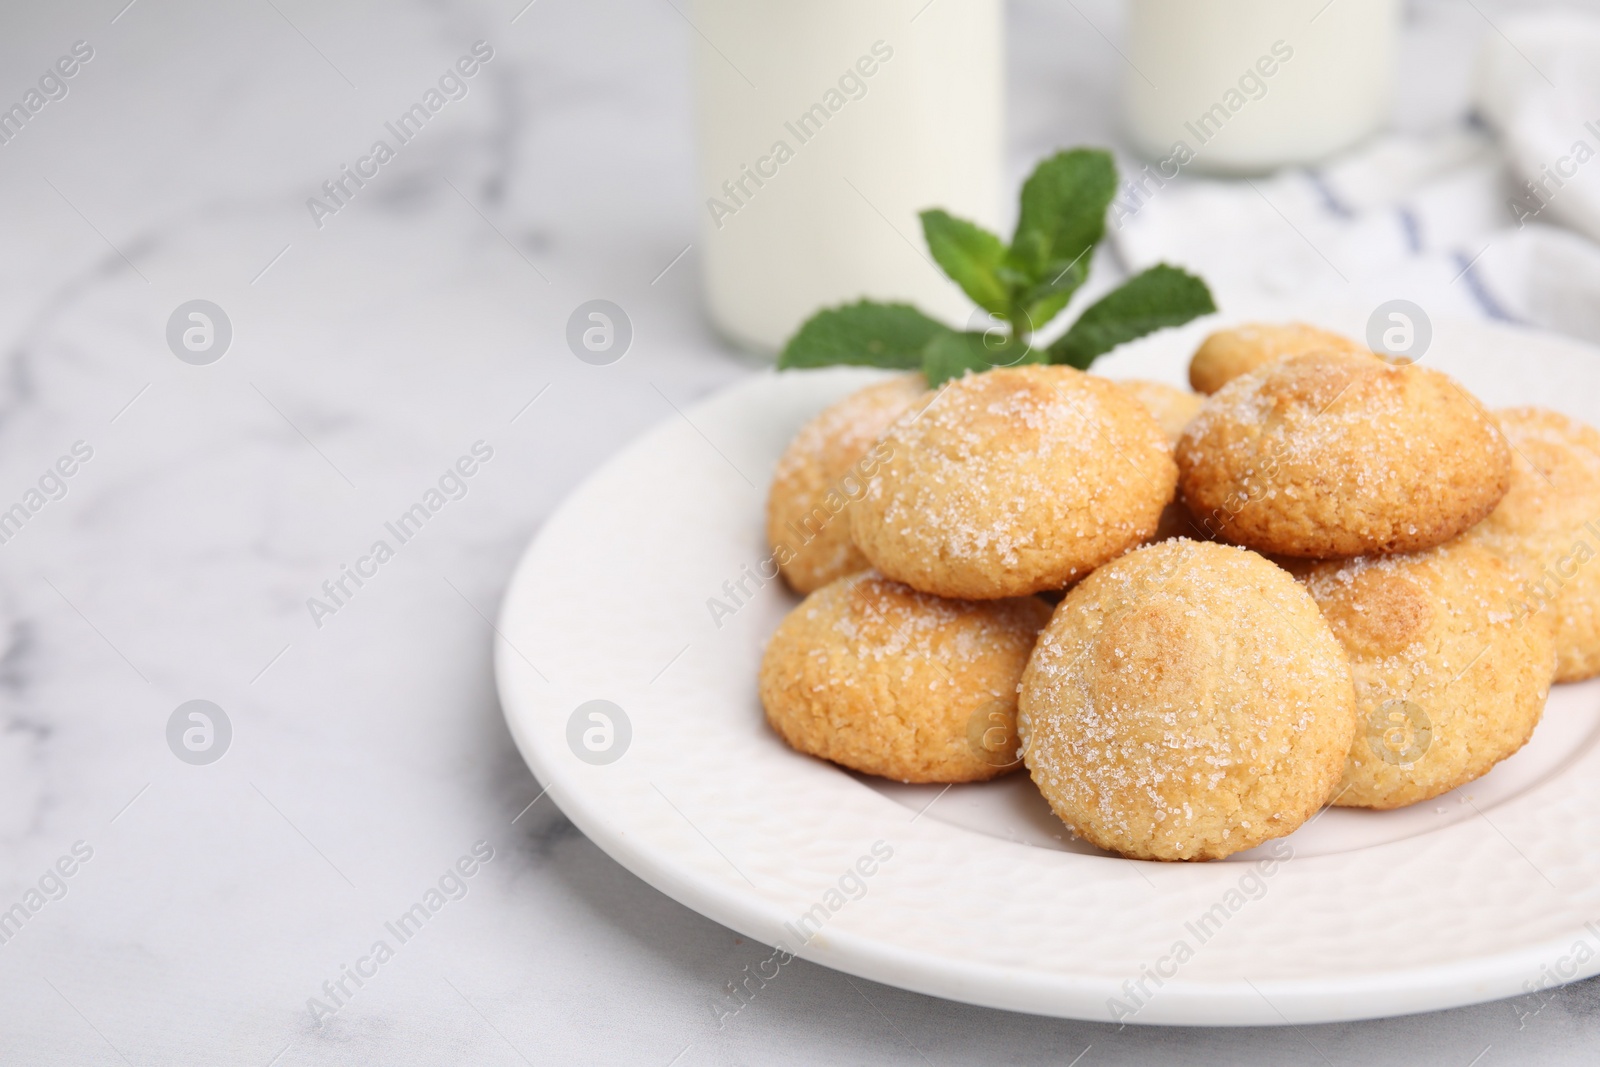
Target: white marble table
(368,755)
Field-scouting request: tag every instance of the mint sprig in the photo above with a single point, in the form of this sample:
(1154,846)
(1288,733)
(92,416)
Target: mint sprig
(1026,284)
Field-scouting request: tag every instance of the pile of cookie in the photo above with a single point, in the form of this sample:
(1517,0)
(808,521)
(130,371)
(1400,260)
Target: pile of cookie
(1321,579)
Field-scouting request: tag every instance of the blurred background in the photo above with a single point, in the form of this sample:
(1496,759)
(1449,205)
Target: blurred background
(358,337)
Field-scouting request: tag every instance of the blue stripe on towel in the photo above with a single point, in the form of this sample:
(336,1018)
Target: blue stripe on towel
(1491,307)
(1412,227)
(1330,199)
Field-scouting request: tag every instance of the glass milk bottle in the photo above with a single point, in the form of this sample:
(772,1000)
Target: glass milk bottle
(824,127)
(1249,85)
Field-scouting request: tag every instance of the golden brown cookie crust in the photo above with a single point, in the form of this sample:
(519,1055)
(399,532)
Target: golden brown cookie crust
(1548,528)
(824,469)
(880,678)
(1334,455)
(1187,701)
(1014,481)
(1170,406)
(1226,354)
(1449,680)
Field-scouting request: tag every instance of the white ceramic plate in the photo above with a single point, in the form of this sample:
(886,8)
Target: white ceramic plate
(977,893)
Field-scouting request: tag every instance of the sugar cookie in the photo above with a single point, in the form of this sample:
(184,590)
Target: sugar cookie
(1548,528)
(1449,681)
(880,678)
(1187,701)
(1226,354)
(824,468)
(1168,405)
(1014,481)
(1335,455)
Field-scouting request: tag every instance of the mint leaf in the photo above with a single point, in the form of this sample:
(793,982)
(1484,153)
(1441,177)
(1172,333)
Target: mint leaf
(1063,212)
(1062,219)
(1160,297)
(863,334)
(1042,302)
(968,253)
(954,354)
